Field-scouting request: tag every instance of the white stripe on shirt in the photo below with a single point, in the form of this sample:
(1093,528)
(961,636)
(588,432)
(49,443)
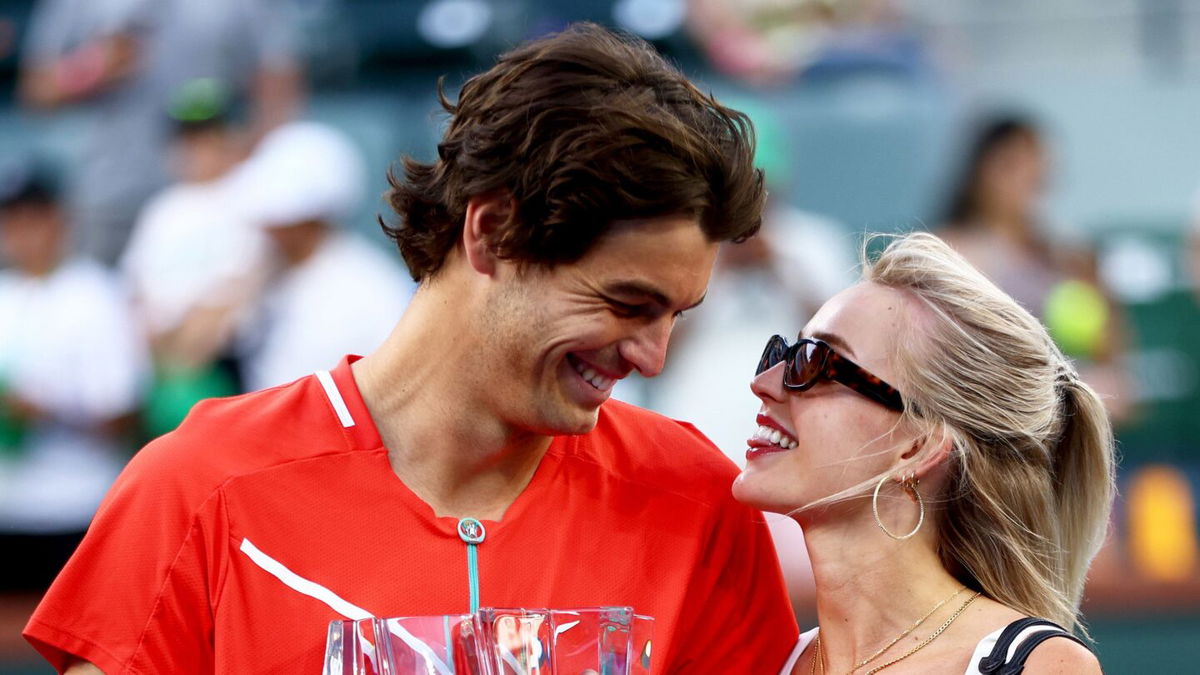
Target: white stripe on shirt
(314,590)
(335,398)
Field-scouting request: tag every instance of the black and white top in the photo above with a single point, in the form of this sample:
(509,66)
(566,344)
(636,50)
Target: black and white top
(1000,653)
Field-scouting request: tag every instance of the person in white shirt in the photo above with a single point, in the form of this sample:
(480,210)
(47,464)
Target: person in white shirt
(772,281)
(196,262)
(952,473)
(71,372)
(333,293)
(194,250)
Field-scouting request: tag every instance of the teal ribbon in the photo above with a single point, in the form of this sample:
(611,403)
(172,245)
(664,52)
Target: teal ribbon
(473,575)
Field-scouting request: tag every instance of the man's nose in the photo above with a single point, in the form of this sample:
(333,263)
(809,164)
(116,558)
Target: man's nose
(646,349)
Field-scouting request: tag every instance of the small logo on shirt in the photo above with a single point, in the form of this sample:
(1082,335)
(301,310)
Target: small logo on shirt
(471,531)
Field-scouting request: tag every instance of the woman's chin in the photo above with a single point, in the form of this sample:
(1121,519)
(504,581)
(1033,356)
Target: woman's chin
(749,489)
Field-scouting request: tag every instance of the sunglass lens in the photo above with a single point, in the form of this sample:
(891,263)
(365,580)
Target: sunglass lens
(806,366)
(774,353)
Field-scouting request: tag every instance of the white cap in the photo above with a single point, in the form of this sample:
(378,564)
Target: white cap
(302,171)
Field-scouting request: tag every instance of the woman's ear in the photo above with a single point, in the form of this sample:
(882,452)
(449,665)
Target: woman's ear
(930,451)
(486,213)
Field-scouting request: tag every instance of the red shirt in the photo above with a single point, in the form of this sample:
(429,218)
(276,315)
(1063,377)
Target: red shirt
(229,545)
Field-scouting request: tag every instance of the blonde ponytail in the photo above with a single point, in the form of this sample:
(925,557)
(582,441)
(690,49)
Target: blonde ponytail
(1030,488)
(1083,477)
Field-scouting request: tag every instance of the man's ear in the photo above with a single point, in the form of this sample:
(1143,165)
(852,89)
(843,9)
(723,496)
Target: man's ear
(937,446)
(486,213)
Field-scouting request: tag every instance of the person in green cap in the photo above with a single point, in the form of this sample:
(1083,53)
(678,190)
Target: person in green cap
(194,262)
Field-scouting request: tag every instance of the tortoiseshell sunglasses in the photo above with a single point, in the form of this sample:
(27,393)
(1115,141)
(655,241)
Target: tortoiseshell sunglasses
(809,361)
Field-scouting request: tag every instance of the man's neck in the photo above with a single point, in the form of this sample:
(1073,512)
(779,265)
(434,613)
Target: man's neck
(441,441)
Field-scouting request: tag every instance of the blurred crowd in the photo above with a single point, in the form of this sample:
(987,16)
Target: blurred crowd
(196,249)
(202,242)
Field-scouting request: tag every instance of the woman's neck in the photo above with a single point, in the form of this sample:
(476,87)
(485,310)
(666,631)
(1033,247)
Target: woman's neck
(870,587)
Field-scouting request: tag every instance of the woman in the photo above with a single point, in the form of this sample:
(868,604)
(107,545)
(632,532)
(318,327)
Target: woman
(952,473)
(994,214)
(994,217)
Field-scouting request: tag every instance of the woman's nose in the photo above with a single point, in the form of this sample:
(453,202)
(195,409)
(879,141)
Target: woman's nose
(768,385)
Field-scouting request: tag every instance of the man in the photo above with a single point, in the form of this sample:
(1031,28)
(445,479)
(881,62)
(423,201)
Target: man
(474,459)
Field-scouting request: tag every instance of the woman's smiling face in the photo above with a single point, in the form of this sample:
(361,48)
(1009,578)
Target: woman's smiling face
(830,436)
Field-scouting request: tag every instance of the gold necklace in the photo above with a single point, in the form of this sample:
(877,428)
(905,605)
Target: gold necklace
(819,656)
(910,629)
(812,668)
(899,637)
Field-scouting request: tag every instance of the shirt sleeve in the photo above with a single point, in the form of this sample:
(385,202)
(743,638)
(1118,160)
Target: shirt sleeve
(138,594)
(737,617)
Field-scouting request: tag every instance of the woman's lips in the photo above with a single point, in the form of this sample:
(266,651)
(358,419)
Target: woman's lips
(770,438)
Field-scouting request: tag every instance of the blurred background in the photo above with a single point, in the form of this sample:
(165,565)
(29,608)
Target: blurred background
(189,194)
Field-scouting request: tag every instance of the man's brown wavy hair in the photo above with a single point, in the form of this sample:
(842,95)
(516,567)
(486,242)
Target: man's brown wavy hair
(581,128)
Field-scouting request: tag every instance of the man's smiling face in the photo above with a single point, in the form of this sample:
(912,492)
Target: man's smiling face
(556,340)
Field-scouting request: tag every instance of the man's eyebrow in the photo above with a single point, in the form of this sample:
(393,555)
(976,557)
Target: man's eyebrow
(632,287)
(834,340)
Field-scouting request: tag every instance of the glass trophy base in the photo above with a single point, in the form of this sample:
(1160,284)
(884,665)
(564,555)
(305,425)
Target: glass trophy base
(585,641)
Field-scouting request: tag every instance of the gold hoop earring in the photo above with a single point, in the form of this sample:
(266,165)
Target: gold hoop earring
(909,484)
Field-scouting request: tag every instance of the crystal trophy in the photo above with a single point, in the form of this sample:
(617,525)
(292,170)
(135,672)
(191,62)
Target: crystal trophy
(588,641)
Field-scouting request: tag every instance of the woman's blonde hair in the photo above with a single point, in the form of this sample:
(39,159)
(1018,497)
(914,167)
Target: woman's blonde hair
(1030,482)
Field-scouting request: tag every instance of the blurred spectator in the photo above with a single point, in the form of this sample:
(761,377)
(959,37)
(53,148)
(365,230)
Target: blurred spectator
(195,262)
(334,293)
(770,284)
(124,59)
(70,372)
(772,41)
(994,219)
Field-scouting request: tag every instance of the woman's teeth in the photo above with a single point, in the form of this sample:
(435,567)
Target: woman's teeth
(593,378)
(775,437)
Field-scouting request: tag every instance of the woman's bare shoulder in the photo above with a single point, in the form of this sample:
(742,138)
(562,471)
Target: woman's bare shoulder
(1060,655)
(1054,655)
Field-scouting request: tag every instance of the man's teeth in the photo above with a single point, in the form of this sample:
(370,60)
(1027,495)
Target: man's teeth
(775,437)
(595,379)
